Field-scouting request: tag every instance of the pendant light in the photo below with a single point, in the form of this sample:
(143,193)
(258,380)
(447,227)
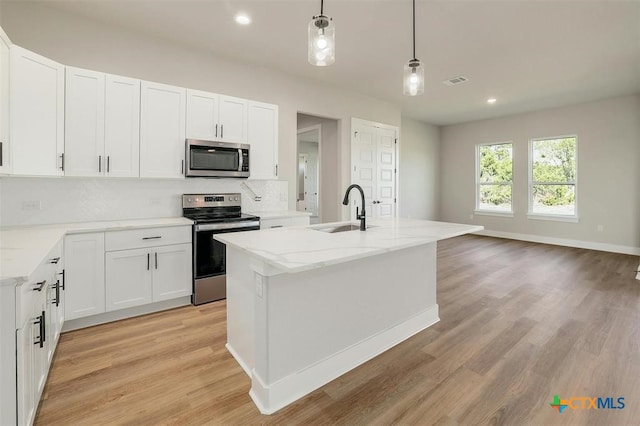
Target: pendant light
(413,83)
(322,37)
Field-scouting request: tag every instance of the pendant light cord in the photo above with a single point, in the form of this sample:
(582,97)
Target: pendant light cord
(414,29)
(322,7)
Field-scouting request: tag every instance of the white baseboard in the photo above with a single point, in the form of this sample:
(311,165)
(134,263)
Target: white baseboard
(273,397)
(106,317)
(239,360)
(614,248)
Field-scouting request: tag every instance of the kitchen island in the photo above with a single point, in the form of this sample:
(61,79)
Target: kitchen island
(305,305)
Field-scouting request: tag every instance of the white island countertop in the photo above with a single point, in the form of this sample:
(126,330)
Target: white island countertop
(22,248)
(297,249)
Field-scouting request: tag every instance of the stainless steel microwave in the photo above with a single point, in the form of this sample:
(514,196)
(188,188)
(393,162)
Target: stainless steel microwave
(216,159)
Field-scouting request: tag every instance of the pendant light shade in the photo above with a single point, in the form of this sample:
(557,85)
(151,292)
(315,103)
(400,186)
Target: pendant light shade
(322,40)
(413,81)
(413,78)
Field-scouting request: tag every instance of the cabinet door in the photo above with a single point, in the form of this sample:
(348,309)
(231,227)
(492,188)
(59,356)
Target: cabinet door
(4,102)
(122,126)
(128,279)
(84,275)
(172,272)
(233,119)
(26,390)
(36,96)
(84,123)
(162,130)
(263,138)
(202,115)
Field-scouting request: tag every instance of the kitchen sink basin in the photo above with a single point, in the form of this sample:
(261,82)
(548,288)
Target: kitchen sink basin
(340,228)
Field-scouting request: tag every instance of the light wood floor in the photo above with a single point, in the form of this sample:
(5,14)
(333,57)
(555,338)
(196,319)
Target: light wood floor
(520,323)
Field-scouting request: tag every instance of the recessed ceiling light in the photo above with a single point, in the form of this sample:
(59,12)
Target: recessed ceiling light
(491,100)
(242,19)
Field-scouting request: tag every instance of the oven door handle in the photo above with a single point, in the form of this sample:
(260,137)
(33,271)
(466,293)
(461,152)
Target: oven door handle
(239,159)
(226,226)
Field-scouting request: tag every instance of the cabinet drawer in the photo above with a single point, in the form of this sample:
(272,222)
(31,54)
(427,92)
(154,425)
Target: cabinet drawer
(282,222)
(146,237)
(29,297)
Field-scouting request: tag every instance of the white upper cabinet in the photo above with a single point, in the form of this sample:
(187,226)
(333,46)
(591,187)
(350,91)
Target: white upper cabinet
(216,117)
(102,124)
(233,119)
(263,139)
(122,126)
(36,127)
(5,45)
(84,123)
(162,130)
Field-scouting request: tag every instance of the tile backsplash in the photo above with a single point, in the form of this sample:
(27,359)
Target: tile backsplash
(35,201)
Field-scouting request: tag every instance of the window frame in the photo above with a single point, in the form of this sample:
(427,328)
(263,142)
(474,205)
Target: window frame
(485,212)
(550,216)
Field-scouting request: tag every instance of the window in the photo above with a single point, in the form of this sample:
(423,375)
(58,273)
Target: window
(552,178)
(494,180)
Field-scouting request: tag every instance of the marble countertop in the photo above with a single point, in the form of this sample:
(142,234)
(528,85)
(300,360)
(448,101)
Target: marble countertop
(276,214)
(297,249)
(23,248)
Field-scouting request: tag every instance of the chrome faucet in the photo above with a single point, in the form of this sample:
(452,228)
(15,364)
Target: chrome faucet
(360,217)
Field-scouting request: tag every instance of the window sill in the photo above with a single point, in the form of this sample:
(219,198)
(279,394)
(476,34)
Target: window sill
(557,218)
(492,213)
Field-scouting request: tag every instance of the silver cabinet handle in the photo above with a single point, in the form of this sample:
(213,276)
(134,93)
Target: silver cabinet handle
(156,256)
(182,168)
(99,163)
(62,161)
(152,238)
(222,131)
(108,158)
(276,170)
(148,261)
(216,130)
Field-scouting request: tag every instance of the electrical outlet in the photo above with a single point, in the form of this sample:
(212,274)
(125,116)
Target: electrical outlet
(32,205)
(600,228)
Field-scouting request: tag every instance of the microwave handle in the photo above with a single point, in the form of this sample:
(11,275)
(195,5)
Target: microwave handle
(239,159)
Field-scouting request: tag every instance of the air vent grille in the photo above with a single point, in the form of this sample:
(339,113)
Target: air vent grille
(456,80)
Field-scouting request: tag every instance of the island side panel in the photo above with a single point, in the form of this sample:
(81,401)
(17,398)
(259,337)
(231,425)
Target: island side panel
(240,308)
(314,326)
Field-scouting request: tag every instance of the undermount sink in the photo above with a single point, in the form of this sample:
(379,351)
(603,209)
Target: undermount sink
(332,229)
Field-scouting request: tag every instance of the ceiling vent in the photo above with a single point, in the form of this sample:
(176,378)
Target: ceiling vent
(456,80)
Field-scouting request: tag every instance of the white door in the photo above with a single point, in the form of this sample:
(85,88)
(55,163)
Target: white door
(128,278)
(311,184)
(36,96)
(4,102)
(84,275)
(162,130)
(84,123)
(373,167)
(232,117)
(122,126)
(202,115)
(263,138)
(171,272)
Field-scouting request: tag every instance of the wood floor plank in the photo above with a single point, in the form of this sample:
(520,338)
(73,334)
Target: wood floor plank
(520,322)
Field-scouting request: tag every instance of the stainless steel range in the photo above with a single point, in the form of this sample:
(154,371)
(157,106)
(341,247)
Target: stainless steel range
(213,214)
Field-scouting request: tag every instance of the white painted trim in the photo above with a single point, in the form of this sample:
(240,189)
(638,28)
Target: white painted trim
(493,213)
(125,313)
(317,127)
(613,248)
(271,398)
(556,217)
(237,357)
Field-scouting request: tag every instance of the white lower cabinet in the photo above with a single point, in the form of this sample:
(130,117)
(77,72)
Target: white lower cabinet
(84,275)
(147,265)
(128,278)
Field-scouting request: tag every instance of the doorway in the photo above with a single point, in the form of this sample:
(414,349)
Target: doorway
(308,176)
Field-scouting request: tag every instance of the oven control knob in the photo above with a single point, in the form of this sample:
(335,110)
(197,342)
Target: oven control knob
(236,199)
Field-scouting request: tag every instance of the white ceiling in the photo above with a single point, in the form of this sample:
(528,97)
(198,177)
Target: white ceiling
(528,54)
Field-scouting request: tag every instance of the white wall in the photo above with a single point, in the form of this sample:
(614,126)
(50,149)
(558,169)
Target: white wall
(331,189)
(74,40)
(608,170)
(419,170)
